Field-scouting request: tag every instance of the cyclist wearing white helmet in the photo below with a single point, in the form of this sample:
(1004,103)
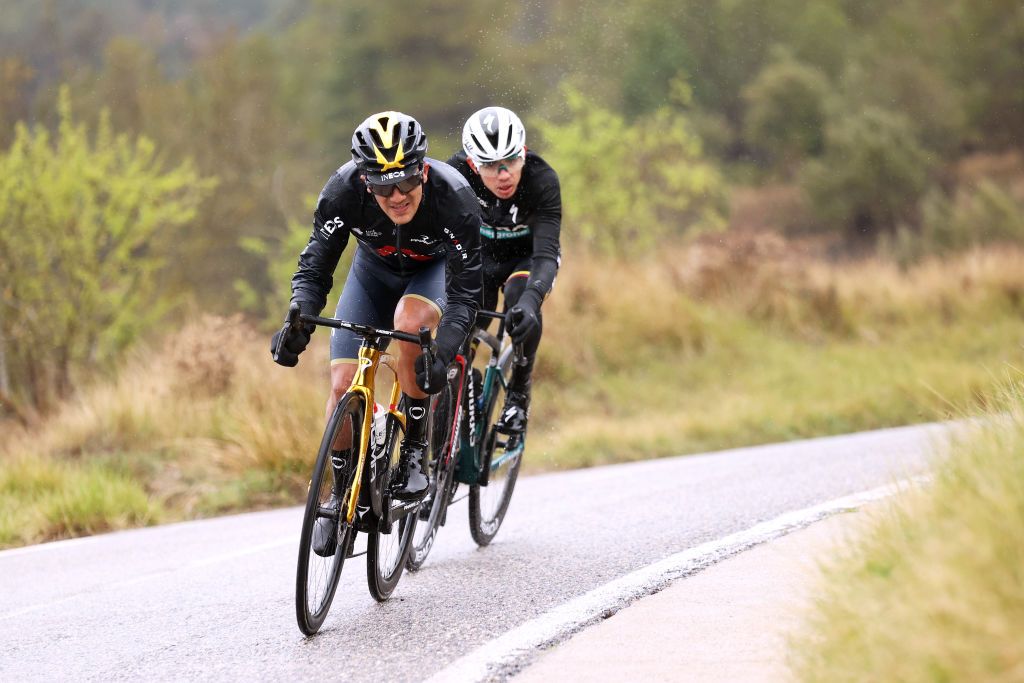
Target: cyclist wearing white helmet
(521,206)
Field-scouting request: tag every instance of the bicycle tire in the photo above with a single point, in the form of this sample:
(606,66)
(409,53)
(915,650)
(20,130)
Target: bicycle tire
(317,576)
(488,504)
(386,553)
(442,475)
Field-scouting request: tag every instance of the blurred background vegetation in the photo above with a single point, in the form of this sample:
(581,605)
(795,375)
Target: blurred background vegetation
(811,213)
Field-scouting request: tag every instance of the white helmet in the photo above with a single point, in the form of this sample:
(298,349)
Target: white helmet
(492,134)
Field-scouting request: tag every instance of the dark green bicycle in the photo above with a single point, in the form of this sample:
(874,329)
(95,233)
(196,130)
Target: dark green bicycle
(466,447)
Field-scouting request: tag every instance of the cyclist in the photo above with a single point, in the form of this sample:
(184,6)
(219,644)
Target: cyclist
(413,218)
(521,203)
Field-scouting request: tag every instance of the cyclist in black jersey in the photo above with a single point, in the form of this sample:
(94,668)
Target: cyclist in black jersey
(416,223)
(521,204)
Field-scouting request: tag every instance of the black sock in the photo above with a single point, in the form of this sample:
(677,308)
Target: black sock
(520,380)
(416,418)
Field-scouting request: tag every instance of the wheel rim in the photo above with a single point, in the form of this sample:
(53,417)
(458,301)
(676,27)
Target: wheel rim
(440,432)
(493,496)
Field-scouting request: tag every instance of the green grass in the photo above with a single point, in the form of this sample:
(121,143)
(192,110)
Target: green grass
(934,591)
(681,354)
(43,500)
(752,385)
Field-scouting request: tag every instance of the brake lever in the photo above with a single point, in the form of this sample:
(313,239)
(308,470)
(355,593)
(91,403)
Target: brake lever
(293,319)
(427,345)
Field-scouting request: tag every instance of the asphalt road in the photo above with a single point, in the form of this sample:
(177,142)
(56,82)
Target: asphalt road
(214,599)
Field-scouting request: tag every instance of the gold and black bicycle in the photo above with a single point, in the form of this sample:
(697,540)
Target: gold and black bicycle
(348,491)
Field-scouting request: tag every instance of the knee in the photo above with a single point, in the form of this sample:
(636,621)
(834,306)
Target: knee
(341,379)
(411,316)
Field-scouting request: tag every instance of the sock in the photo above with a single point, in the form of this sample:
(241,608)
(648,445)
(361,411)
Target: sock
(416,418)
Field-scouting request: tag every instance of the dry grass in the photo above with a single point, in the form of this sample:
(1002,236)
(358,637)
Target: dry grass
(733,340)
(935,591)
(200,425)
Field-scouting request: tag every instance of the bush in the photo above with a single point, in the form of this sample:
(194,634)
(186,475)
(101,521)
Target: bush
(627,185)
(975,215)
(786,110)
(83,221)
(872,175)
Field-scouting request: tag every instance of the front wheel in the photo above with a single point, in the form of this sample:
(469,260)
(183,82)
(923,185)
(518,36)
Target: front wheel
(326,536)
(501,456)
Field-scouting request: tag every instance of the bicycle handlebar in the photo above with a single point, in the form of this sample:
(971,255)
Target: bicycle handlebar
(359,329)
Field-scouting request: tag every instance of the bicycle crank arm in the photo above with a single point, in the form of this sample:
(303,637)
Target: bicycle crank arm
(395,512)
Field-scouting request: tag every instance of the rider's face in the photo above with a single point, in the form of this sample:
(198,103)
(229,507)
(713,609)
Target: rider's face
(400,208)
(501,177)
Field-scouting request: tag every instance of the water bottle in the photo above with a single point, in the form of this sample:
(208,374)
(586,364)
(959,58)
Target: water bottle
(380,423)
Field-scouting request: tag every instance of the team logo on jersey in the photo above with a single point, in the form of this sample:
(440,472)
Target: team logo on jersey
(330,226)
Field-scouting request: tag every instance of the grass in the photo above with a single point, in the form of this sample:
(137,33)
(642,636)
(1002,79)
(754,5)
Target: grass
(934,591)
(732,341)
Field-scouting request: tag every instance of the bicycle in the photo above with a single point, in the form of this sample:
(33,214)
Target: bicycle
(357,455)
(467,447)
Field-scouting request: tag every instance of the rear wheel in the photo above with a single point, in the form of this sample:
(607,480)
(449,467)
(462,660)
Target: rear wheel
(501,456)
(386,553)
(442,468)
(325,535)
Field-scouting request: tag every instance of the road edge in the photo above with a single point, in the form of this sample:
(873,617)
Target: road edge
(511,652)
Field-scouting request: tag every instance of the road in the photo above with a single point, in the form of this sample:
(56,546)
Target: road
(214,599)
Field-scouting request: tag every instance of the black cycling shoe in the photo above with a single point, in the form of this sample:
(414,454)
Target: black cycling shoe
(411,481)
(515,413)
(325,531)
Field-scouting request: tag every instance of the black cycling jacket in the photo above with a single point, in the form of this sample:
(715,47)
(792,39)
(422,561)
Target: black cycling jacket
(446,225)
(526,224)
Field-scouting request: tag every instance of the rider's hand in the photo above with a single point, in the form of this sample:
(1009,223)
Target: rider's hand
(294,344)
(436,373)
(524,318)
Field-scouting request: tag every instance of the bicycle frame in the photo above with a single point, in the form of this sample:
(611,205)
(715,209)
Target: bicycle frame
(491,375)
(370,359)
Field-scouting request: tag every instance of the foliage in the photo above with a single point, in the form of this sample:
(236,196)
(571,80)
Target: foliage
(786,110)
(871,175)
(280,259)
(626,186)
(193,426)
(974,216)
(86,221)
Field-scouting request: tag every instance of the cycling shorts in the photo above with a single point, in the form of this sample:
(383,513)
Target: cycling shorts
(508,276)
(371,294)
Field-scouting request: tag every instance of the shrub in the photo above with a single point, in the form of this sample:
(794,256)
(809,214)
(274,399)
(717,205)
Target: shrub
(83,219)
(786,110)
(626,185)
(872,175)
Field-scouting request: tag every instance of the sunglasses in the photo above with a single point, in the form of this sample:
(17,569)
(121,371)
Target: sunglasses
(404,186)
(493,168)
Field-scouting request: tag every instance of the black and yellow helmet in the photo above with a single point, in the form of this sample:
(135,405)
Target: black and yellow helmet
(389,147)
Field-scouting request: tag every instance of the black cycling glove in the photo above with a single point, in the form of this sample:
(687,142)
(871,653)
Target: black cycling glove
(287,354)
(436,373)
(524,318)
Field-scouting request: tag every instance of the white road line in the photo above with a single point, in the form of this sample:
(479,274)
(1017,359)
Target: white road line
(508,653)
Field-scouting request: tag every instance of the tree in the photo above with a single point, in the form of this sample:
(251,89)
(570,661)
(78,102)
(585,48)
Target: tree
(786,110)
(84,221)
(872,175)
